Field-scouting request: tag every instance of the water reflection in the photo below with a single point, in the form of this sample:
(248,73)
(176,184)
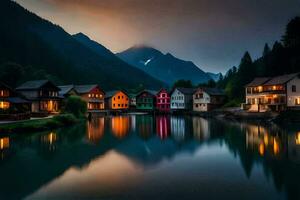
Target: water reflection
(163,126)
(95,129)
(163,157)
(120,126)
(49,140)
(201,128)
(144,126)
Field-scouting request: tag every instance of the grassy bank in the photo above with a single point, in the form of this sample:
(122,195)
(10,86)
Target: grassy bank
(40,125)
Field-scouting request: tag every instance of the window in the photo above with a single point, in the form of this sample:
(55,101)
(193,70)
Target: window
(297,101)
(118,97)
(294,89)
(4,105)
(114,105)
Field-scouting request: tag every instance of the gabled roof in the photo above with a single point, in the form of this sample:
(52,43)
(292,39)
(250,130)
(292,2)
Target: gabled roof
(162,90)
(33,85)
(5,86)
(152,92)
(186,91)
(64,89)
(278,80)
(258,81)
(214,91)
(113,92)
(82,89)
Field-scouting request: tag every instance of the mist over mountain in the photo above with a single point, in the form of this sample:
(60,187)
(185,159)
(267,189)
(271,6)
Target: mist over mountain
(164,67)
(39,49)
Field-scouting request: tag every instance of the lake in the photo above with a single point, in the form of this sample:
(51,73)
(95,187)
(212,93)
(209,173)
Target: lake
(147,157)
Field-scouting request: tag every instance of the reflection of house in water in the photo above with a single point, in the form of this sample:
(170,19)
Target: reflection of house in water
(4,146)
(179,128)
(49,141)
(95,129)
(260,139)
(133,123)
(201,128)
(163,126)
(120,126)
(294,147)
(144,125)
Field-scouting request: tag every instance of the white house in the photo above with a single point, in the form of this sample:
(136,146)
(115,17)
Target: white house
(276,93)
(206,99)
(182,98)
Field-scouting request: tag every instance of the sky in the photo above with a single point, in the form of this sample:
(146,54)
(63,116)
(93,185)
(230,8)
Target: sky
(214,34)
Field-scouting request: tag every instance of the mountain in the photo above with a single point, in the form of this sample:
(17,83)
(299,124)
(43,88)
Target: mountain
(41,49)
(164,67)
(93,45)
(214,76)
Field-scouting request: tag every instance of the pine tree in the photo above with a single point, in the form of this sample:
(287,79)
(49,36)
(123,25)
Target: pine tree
(267,50)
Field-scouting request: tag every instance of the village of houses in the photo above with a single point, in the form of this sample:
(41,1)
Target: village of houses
(41,98)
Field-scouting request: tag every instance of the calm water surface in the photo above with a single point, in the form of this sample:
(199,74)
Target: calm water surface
(145,157)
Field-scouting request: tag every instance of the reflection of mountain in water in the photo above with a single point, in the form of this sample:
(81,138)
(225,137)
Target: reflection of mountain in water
(28,162)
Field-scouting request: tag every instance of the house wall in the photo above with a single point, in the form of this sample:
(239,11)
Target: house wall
(200,101)
(94,99)
(145,101)
(179,100)
(292,96)
(163,101)
(119,101)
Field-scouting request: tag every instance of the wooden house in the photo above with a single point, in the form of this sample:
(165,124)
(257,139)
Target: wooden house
(67,90)
(116,100)
(132,100)
(12,103)
(43,95)
(207,99)
(163,101)
(145,100)
(182,99)
(93,95)
(273,93)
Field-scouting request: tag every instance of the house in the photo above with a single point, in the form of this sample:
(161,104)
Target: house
(67,90)
(207,99)
(93,95)
(273,93)
(182,98)
(132,100)
(116,100)
(163,101)
(43,95)
(12,103)
(145,100)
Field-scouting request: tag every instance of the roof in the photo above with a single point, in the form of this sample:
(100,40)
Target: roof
(82,89)
(186,91)
(64,89)
(214,91)
(113,92)
(152,92)
(258,81)
(278,80)
(5,86)
(17,100)
(162,90)
(32,85)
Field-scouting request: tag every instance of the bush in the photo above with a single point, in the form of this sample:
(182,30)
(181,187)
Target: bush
(76,106)
(232,103)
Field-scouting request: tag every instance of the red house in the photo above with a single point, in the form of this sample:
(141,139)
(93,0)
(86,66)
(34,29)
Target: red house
(163,101)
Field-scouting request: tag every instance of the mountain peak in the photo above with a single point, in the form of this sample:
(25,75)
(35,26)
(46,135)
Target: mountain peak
(81,35)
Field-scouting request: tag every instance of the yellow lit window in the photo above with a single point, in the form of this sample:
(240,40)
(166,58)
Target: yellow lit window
(297,101)
(90,95)
(4,105)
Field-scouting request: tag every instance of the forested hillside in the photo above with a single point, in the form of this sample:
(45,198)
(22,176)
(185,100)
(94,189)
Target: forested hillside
(33,48)
(282,58)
